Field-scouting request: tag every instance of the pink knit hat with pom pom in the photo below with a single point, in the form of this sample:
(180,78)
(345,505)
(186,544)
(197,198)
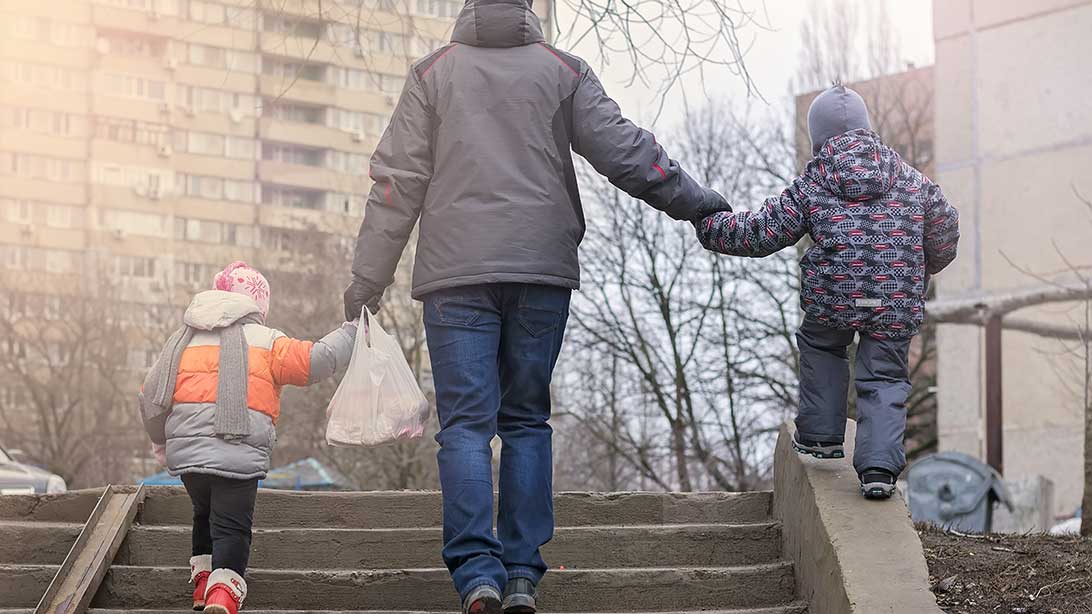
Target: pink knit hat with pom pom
(239,278)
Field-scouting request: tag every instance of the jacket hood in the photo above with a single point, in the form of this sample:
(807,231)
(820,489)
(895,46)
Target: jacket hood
(218,309)
(498,23)
(858,166)
(836,111)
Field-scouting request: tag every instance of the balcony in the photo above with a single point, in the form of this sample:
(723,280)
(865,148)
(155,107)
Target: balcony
(300,90)
(298,175)
(145,22)
(314,135)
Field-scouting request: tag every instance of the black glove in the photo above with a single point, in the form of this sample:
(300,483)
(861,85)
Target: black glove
(358,295)
(714,203)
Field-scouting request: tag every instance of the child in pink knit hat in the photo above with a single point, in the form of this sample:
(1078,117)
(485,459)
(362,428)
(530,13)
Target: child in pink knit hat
(240,278)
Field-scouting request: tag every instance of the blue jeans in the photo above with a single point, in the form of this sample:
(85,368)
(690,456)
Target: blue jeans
(493,349)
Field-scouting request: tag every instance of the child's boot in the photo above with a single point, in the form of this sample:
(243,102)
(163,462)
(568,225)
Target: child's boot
(200,568)
(818,449)
(226,592)
(877,484)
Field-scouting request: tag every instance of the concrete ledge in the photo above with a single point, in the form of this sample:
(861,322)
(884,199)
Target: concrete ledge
(852,556)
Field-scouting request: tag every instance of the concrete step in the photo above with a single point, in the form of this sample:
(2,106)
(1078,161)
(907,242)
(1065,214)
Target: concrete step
(375,510)
(614,590)
(572,547)
(22,586)
(793,608)
(36,543)
(73,506)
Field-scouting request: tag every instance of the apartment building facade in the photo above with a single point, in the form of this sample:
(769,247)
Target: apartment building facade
(1013,149)
(163,138)
(144,144)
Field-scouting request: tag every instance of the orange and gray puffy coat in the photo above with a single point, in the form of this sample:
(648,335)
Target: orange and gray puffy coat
(274,360)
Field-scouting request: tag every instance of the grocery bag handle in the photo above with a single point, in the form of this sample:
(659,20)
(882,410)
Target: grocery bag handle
(366,319)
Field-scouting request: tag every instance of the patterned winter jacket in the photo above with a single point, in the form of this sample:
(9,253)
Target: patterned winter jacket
(879,227)
(274,360)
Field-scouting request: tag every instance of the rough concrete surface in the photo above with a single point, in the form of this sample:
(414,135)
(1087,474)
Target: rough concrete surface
(430,589)
(572,547)
(852,556)
(36,543)
(411,509)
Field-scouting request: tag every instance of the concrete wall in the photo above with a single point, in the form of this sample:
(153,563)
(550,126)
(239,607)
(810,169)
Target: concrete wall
(1013,140)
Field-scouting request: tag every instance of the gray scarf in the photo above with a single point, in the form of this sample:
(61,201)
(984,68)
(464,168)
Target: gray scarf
(232,419)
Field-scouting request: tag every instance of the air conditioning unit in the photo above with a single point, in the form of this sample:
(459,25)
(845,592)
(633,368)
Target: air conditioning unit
(189,111)
(391,100)
(165,108)
(140,189)
(118,234)
(165,151)
(26,230)
(170,63)
(236,115)
(358,51)
(358,137)
(156,193)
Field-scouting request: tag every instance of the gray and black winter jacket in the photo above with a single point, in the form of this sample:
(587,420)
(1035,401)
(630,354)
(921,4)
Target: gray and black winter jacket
(480,150)
(880,228)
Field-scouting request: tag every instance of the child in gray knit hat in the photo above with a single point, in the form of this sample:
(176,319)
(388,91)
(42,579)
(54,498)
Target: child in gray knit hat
(880,229)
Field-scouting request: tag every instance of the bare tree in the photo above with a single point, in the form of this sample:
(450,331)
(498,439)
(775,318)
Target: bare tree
(659,43)
(681,363)
(305,267)
(70,366)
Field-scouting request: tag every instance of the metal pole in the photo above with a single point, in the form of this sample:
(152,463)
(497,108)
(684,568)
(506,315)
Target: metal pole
(995,433)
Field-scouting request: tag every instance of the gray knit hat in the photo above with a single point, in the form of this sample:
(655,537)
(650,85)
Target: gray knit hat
(836,111)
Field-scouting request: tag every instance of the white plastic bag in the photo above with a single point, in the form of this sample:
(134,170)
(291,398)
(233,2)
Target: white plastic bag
(378,400)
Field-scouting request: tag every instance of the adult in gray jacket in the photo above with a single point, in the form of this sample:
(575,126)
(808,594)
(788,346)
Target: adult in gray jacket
(480,150)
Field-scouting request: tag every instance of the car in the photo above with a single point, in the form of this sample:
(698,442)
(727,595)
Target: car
(20,478)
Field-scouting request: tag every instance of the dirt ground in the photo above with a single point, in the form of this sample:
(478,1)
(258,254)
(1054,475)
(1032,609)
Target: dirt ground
(1022,574)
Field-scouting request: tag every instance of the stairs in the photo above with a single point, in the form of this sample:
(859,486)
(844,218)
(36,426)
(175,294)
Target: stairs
(380,552)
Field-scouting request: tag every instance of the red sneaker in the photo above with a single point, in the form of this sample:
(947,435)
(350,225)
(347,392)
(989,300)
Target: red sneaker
(226,592)
(200,568)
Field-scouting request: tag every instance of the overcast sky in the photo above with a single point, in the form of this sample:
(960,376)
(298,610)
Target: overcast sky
(772,58)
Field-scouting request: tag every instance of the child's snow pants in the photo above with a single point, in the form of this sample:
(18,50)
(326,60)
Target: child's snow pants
(883,386)
(223,515)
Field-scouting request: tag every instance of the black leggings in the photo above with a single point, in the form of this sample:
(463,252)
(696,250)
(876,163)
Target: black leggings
(223,514)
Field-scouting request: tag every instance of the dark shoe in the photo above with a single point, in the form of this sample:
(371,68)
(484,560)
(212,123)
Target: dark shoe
(877,484)
(520,597)
(819,449)
(483,600)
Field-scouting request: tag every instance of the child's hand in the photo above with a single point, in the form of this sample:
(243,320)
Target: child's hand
(159,451)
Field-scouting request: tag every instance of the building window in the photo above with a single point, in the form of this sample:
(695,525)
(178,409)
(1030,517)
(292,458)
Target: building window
(31,166)
(292,154)
(201,143)
(296,198)
(289,26)
(133,222)
(216,101)
(134,266)
(16,211)
(60,262)
(55,123)
(123,44)
(15,257)
(290,71)
(129,86)
(286,111)
(129,131)
(39,75)
(61,216)
(241,148)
